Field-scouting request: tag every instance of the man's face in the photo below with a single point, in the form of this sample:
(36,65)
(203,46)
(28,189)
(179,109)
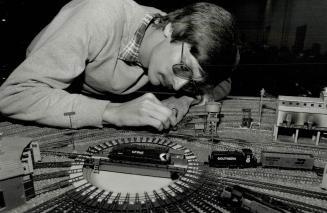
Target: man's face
(167,55)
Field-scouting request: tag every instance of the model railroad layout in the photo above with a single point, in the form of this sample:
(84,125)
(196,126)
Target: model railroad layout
(195,186)
(210,167)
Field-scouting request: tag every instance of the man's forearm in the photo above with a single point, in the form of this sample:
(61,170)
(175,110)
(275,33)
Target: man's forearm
(44,105)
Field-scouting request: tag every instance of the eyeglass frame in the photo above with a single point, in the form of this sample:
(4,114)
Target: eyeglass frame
(182,67)
(176,69)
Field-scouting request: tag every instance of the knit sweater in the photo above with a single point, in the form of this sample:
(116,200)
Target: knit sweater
(85,37)
(82,42)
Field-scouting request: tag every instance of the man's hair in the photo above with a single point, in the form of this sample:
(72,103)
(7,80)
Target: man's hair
(210,30)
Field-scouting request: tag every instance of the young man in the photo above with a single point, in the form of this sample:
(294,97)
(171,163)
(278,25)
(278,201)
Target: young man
(116,47)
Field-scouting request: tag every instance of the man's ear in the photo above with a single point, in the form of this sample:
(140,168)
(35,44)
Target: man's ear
(168,31)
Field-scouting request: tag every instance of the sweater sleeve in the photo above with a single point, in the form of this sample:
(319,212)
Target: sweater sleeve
(35,91)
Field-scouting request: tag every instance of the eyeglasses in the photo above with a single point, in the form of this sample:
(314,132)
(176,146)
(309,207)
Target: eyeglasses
(183,71)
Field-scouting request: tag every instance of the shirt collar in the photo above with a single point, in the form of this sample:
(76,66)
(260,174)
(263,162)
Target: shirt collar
(131,51)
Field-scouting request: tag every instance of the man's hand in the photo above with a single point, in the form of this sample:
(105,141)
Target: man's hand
(179,105)
(146,110)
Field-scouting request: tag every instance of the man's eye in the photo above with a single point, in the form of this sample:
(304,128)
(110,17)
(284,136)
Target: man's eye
(185,68)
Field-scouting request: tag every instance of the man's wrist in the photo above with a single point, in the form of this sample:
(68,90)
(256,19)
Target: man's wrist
(110,115)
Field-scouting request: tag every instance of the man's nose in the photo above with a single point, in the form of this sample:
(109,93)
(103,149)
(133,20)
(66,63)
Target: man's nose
(179,83)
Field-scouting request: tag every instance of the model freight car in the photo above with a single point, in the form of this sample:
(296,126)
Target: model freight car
(243,158)
(287,160)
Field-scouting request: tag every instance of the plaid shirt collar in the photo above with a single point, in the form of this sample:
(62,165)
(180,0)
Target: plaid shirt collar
(131,51)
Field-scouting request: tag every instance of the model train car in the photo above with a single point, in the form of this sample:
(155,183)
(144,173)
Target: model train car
(140,153)
(287,160)
(246,200)
(243,158)
(153,154)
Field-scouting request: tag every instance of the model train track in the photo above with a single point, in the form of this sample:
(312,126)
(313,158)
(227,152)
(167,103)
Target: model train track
(240,141)
(269,175)
(201,196)
(189,182)
(59,164)
(285,203)
(302,207)
(226,142)
(89,199)
(208,194)
(82,137)
(53,187)
(302,147)
(71,155)
(157,201)
(50,204)
(277,187)
(191,193)
(216,186)
(58,174)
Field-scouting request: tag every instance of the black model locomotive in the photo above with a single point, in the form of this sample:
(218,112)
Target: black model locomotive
(148,154)
(240,159)
(142,153)
(146,159)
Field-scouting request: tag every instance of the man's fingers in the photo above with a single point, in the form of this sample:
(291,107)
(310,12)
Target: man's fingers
(156,111)
(154,123)
(174,111)
(153,108)
(173,117)
(181,115)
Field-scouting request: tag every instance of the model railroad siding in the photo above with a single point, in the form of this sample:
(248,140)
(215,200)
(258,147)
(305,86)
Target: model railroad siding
(287,160)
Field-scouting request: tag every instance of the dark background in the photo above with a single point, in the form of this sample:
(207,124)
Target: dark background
(283,42)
